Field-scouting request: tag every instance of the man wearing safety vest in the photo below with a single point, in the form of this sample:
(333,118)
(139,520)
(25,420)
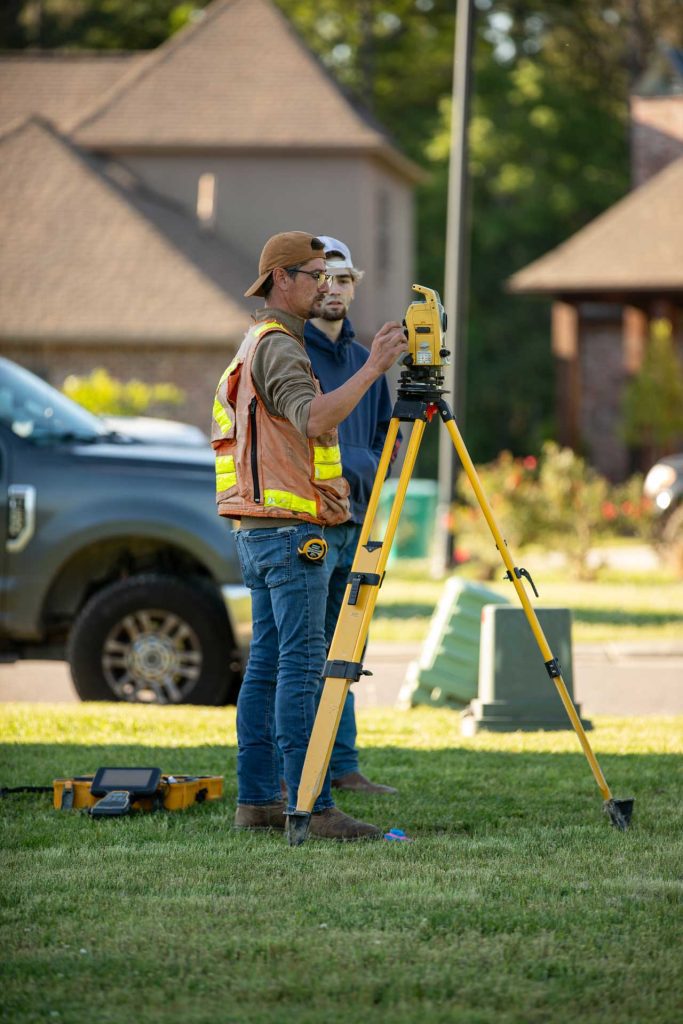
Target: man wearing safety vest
(335,355)
(278,471)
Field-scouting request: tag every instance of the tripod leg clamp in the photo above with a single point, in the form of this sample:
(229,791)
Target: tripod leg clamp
(338,669)
(357,579)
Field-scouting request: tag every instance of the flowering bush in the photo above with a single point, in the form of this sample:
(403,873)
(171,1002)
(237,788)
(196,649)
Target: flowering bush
(556,500)
(107,396)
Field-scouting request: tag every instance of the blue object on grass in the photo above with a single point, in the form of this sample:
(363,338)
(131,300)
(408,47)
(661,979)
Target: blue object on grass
(397,835)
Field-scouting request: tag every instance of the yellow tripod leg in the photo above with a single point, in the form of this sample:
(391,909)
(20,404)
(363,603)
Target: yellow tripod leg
(343,665)
(619,810)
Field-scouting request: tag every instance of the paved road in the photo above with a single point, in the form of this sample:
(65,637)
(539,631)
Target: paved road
(617,679)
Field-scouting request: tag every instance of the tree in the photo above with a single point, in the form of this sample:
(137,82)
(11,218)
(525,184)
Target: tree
(653,399)
(92,24)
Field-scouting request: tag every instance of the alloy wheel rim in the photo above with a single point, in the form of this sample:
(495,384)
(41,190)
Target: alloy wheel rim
(152,656)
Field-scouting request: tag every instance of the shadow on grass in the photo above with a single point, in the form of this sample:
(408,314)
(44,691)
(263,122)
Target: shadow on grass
(621,617)
(443,791)
(407,610)
(601,616)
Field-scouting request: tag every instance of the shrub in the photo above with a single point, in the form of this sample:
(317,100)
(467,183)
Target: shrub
(107,396)
(557,501)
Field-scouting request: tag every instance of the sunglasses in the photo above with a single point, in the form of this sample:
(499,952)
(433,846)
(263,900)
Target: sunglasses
(319,276)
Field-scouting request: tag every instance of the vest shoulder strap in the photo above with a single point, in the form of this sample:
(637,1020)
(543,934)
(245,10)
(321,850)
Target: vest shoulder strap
(268,326)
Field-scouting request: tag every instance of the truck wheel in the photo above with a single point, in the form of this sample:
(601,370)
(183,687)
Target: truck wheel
(156,640)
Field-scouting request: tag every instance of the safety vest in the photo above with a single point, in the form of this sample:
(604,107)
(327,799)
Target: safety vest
(264,466)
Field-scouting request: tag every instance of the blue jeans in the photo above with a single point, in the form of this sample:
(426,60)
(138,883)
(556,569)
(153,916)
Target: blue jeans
(277,701)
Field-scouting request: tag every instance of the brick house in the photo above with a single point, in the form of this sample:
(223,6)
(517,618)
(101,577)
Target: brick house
(136,191)
(611,278)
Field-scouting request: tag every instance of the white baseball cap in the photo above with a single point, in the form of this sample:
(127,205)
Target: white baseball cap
(337,254)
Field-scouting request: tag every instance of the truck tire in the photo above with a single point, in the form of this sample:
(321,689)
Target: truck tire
(153,639)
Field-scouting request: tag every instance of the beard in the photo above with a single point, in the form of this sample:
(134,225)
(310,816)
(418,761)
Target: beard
(322,312)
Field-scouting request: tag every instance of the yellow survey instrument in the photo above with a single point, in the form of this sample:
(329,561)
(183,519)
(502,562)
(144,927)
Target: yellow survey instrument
(425,323)
(420,396)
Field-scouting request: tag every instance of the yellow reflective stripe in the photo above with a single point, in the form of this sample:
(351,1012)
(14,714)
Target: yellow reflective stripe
(289,501)
(226,477)
(227,373)
(327,462)
(270,325)
(328,472)
(221,417)
(329,454)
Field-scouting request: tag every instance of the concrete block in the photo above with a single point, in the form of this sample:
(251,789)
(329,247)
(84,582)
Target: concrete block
(514,688)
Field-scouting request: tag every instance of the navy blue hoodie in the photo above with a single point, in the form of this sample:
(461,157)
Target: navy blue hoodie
(362,433)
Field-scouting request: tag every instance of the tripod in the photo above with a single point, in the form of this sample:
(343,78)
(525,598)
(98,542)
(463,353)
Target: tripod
(419,397)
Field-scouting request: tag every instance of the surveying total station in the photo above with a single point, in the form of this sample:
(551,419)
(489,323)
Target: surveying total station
(419,396)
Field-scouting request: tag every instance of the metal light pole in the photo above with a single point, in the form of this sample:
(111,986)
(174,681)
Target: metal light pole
(456,276)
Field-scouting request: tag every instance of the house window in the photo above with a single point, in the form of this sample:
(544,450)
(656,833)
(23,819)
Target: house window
(383,236)
(206,201)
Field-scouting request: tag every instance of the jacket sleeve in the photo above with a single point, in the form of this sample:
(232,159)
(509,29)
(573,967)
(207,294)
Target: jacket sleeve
(282,375)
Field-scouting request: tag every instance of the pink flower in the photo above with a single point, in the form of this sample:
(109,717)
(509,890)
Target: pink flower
(530,462)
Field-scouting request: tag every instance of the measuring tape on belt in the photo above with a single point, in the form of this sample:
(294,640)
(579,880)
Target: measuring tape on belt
(313,550)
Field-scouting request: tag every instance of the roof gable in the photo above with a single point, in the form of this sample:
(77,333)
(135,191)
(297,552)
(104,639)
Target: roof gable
(86,256)
(58,86)
(237,76)
(636,245)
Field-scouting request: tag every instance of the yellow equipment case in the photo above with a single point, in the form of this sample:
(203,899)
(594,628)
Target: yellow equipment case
(170,792)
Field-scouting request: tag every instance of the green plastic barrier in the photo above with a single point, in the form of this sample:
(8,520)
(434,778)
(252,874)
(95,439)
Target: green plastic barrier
(447,671)
(415,528)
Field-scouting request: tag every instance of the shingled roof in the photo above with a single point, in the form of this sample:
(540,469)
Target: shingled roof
(58,86)
(636,245)
(238,78)
(89,255)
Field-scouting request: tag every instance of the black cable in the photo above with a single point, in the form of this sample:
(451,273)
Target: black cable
(4,790)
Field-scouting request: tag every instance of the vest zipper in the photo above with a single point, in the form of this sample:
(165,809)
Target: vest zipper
(254,455)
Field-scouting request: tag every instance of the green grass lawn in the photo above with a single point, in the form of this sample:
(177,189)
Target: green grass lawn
(516,901)
(615,607)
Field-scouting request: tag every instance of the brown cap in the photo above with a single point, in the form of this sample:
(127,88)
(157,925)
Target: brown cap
(285,250)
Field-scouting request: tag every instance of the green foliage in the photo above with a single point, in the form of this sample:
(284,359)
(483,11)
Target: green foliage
(105,395)
(93,24)
(557,501)
(653,400)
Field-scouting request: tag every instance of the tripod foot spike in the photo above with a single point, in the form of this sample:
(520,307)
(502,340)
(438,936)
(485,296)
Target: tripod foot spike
(296,829)
(619,812)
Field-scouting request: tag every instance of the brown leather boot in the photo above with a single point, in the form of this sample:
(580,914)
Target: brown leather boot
(260,816)
(357,783)
(334,824)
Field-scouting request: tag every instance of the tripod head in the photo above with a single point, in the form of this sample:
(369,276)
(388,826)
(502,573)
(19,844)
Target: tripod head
(425,324)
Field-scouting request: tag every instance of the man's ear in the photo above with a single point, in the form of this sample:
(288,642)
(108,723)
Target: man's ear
(280,277)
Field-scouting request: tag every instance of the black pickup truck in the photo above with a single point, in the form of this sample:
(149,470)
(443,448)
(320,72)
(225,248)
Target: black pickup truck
(112,556)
